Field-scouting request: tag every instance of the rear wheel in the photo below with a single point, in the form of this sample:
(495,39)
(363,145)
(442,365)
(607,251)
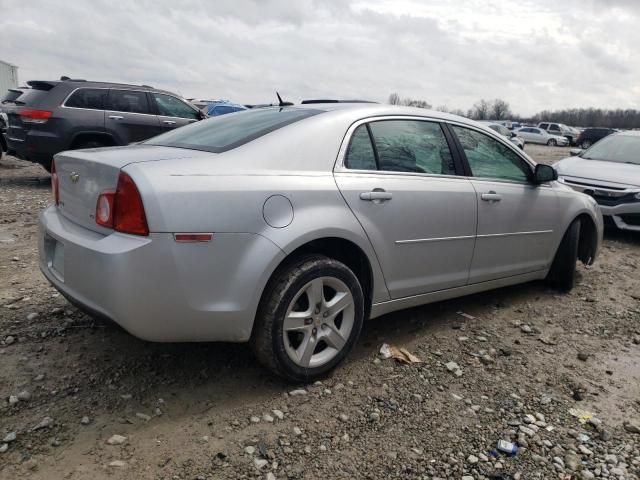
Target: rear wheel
(563,269)
(310,317)
(552,143)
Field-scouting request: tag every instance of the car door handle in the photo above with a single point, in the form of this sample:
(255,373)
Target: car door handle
(376,195)
(491,197)
(116,117)
(169,122)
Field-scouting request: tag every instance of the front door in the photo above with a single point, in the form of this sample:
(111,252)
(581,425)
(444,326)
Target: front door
(516,219)
(128,116)
(398,176)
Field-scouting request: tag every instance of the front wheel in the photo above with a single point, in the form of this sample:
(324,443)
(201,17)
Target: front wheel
(562,274)
(552,143)
(585,144)
(309,318)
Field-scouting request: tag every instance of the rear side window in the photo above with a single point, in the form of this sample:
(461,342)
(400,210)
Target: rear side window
(360,155)
(91,98)
(128,101)
(412,146)
(544,126)
(225,132)
(169,106)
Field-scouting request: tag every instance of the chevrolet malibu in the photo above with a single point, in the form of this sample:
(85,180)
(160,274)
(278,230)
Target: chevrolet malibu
(288,227)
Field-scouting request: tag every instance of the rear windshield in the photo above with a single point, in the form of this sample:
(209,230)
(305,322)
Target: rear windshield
(31,97)
(10,96)
(226,132)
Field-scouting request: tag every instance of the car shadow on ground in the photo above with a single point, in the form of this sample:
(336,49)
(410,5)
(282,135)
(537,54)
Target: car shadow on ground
(38,181)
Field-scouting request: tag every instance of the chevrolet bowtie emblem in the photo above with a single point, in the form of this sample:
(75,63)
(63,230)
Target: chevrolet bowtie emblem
(74,177)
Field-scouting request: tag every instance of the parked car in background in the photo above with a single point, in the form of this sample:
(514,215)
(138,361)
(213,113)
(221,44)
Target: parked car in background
(589,136)
(289,226)
(3,131)
(609,171)
(222,107)
(200,103)
(538,135)
(559,129)
(52,116)
(513,137)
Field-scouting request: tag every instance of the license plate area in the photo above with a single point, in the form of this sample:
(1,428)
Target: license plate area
(54,251)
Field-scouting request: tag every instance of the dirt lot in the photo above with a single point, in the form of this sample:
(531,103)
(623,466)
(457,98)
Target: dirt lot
(527,356)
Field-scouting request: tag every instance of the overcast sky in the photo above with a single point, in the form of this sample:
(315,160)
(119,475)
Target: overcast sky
(536,54)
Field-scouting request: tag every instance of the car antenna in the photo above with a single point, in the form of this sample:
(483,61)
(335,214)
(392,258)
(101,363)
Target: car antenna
(281,103)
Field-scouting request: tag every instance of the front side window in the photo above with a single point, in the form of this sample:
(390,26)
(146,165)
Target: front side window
(89,98)
(360,154)
(412,146)
(128,101)
(489,158)
(169,106)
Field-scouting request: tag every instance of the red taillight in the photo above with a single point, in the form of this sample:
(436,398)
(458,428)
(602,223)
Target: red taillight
(55,185)
(31,115)
(123,209)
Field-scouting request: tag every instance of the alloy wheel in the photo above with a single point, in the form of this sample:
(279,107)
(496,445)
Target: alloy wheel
(318,322)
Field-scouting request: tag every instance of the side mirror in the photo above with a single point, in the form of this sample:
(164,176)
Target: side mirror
(544,173)
(514,134)
(574,152)
(201,115)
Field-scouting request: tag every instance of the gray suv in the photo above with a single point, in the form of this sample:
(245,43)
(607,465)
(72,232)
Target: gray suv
(52,116)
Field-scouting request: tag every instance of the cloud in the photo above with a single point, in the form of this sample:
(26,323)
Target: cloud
(536,54)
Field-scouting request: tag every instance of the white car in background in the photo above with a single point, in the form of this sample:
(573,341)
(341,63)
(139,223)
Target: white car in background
(513,137)
(538,135)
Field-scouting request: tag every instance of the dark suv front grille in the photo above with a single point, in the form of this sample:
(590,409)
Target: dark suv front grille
(631,219)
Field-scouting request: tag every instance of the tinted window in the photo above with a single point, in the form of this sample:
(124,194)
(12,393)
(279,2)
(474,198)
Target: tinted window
(412,146)
(31,96)
(360,155)
(489,158)
(91,98)
(128,101)
(544,126)
(10,96)
(222,133)
(169,106)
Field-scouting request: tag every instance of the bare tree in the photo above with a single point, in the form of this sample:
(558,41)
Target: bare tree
(394,99)
(500,110)
(481,110)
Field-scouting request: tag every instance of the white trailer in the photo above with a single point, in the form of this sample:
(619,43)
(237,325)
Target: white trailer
(8,77)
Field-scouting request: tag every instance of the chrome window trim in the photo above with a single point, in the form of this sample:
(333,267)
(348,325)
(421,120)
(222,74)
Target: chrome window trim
(64,102)
(339,166)
(468,237)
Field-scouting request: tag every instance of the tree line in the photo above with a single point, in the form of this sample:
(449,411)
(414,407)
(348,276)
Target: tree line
(499,109)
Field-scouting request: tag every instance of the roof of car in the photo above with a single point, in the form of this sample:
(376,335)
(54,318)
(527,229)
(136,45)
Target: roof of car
(78,83)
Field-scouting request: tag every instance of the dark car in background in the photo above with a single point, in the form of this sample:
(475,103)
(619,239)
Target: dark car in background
(7,99)
(53,116)
(589,136)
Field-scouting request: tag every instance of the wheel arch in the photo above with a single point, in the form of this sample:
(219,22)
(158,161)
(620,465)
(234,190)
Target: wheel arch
(588,242)
(80,137)
(338,248)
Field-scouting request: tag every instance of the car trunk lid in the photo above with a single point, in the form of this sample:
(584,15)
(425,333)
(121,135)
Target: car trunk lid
(84,174)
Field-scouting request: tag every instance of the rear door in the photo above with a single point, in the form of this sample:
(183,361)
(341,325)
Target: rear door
(399,177)
(516,218)
(172,112)
(129,117)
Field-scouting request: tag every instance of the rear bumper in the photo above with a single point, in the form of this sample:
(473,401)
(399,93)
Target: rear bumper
(36,146)
(155,288)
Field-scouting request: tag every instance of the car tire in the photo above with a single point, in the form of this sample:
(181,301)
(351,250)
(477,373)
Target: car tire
(552,143)
(585,144)
(563,269)
(296,349)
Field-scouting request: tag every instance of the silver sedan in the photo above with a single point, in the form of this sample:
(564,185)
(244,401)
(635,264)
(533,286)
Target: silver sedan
(609,171)
(288,227)
(540,136)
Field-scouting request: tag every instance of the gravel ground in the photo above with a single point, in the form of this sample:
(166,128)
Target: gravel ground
(558,375)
